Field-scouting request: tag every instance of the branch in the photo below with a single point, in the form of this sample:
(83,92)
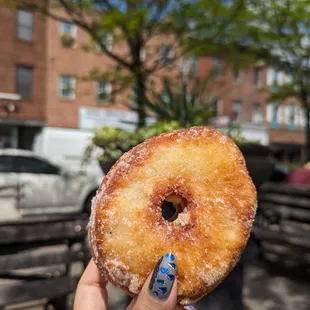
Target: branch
(93,33)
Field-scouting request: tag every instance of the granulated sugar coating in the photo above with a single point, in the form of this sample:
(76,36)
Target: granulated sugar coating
(128,233)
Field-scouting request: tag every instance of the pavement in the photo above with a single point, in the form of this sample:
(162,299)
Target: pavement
(262,289)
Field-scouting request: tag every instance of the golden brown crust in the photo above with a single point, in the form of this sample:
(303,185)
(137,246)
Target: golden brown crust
(128,233)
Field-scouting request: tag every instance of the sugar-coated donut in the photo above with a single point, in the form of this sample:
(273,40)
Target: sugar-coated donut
(204,172)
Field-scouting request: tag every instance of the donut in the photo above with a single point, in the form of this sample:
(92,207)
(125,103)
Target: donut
(201,171)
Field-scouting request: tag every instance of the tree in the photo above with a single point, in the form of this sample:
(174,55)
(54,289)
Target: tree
(186,101)
(284,31)
(136,25)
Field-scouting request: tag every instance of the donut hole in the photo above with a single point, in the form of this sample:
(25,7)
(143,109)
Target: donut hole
(172,206)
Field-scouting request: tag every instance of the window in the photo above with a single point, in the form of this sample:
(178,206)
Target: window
(25,25)
(257,115)
(236,110)
(166,54)
(5,164)
(67,28)
(103,90)
(33,165)
(275,115)
(190,65)
(106,41)
(273,78)
(68,34)
(258,77)
(215,107)
(237,76)
(24,77)
(217,65)
(67,86)
(291,117)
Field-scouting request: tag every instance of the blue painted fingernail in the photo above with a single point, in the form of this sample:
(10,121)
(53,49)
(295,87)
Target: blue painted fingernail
(163,277)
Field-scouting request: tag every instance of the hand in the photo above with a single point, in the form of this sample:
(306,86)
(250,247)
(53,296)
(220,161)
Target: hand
(91,293)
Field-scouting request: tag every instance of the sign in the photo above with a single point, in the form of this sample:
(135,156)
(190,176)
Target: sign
(92,118)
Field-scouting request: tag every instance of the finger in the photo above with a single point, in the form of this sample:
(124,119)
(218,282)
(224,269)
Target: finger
(91,293)
(188,307)
(178,307)
(160,289)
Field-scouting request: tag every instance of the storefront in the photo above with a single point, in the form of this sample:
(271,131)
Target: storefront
(19,133)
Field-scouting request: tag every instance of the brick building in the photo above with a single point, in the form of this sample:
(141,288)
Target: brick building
(41,60)
(242,100)
(22,65)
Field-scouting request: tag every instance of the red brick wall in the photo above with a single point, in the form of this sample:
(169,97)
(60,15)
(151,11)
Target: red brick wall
(70,61)
(228,90)
(17,52)
(284,135)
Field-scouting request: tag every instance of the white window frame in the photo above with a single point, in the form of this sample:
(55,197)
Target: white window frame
(238,79)
(61,88)
(217,65)
(190,65)
(108,89)
(259,82)
(234,104)
(73,32)
(19,24)
(108,42)
(257,118)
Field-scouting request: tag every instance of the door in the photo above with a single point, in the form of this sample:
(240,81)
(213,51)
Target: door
(46,189)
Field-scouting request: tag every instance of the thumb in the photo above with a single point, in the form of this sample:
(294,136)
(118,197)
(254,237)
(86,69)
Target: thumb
(160,289)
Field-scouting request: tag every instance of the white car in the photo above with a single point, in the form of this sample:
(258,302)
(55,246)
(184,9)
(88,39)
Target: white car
(41,187)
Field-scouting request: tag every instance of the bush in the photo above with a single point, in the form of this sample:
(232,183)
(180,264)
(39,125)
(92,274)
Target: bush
(67,40)
(115,141)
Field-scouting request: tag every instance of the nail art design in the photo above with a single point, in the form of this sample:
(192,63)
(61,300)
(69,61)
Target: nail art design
(163,277)
(190,307)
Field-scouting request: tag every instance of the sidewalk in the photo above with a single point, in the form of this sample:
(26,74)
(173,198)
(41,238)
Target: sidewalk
(262,291)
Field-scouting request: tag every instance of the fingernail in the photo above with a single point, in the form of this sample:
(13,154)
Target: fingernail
(163,277)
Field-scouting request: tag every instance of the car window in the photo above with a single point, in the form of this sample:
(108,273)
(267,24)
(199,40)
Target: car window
(5,164)
(34,165)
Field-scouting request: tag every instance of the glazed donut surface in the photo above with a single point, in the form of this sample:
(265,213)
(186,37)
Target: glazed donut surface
(206,172)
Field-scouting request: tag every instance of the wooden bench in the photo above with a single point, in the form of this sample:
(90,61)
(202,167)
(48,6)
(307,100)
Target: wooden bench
(36,258)
(283,224)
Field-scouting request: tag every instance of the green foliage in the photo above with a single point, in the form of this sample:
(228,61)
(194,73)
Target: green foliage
(116,141)
(235,133)
(280,93)
(199,27)
(187,102)
(67,40)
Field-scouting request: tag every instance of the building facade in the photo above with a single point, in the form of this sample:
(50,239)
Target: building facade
(242,101)
(42,62)
(22,76)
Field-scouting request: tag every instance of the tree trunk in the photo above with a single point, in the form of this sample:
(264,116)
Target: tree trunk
(304,99)
(140,91)
(136,45)
(307,133)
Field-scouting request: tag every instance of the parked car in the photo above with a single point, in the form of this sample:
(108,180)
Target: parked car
(43,187)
